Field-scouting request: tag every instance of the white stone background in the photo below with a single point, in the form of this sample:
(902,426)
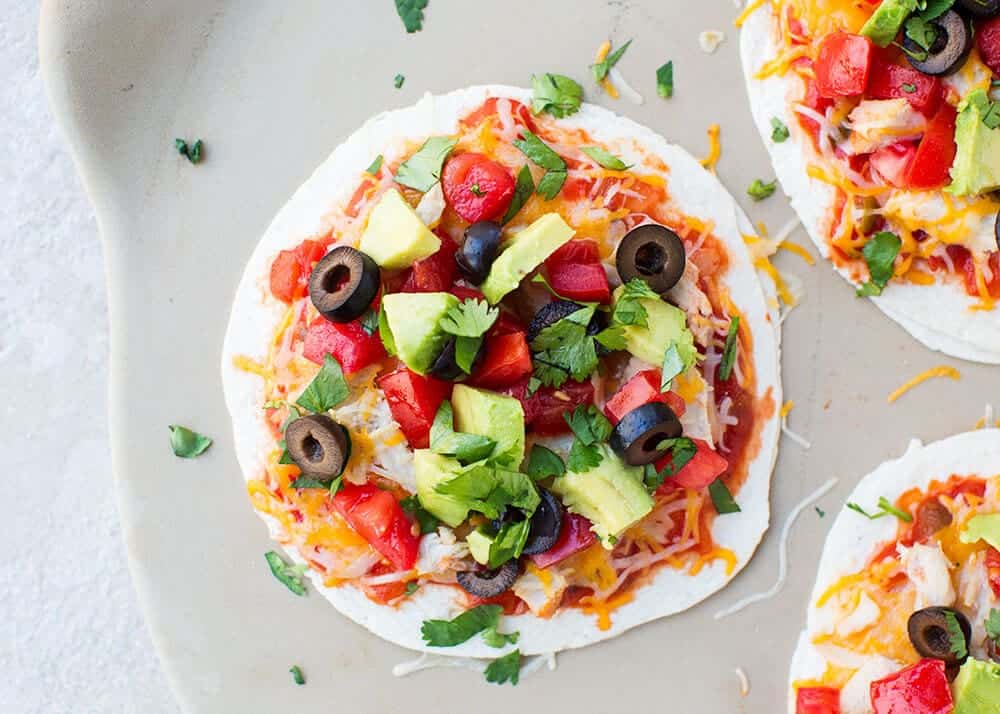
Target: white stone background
(71,636)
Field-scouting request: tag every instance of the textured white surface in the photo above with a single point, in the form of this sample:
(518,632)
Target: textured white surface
(71,636)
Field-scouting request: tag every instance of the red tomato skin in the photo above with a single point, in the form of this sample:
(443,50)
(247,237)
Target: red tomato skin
(988,42)
(506,360)
(574,537)
(931,165)
(843,64)
(921,688)
(993,570)
(291,269)
(583,283)
(543,410)
(348,342)
(643,388)
(704,467)
(580,252)
(414,400)
(476,187)
(378,518)
(817,700)
(435,273)
(893,162)
(886,81)
(466,293)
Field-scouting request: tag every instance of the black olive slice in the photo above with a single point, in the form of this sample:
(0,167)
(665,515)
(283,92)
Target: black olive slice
(996,230)
(639,433)
(343,284)
(318,445)
(476,256)
(949,49)
(546,524)
(445,367)
(653,253)
(489,583)
(930,636)
(978,8)
(553,312)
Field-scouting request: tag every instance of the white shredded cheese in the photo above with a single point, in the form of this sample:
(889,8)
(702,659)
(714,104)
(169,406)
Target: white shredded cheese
(624,87)
(709,40)
(744,682)
(782,554)
(427,660)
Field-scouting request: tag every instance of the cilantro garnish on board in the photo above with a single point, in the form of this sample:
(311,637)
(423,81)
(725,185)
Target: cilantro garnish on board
(600,69)
(448,633)
(288,575)
(411,12)
(665,80)
(505,669)
(297,675)
(187,443)
(192,152)
(760,189)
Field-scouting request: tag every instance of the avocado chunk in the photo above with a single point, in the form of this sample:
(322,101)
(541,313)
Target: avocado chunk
(886,22)
(525,252)
(480,542)
(666,325)
(395,237)
(984,527)
(413,320)
(610,495)
(976,168)
(431,470)
(492,415)
(977,688)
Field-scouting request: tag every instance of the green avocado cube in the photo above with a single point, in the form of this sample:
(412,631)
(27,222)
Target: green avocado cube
(976,168)
(666,325)
(885,23)
(431,470)
(526,251)
(414,322)
(395,237)
(496,416)
(479,543)
(977,688)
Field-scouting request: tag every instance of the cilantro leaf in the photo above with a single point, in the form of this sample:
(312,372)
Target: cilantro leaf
(628,310)
(673,365)
(488,490)
(385,332)
(493,638)
(555,94)
(288,575)
(411,12)
(369,322)
(588,424)
(583,457)
(448,633)
(505,669)
(759,190)
(187,443)
(327,390)
(309,482)
(605,159)
(376,165)
(297,675)
(880,255)
(729,351)
(956,638)
(652,478)
(522,192)
(412,587)
(446,441)
(885,509)
(779,130)
(422,170)
(550,184)
(680,450)
(398,80)
(466,349)
(992,625)
(600,70)
(539,153)
(191,152)
(722,498)
(508,543)
(470,318)
(933,9)
(613,338)
(543,462)
(564,349)
(425,519)
(665,80)
(921,31)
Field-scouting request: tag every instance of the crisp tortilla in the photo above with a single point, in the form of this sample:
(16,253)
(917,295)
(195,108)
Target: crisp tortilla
(255,315)
(852,539)
(937,315)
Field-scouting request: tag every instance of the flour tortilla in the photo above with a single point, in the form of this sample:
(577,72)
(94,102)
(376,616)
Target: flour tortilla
(255,316)
(937,315)
(853,539)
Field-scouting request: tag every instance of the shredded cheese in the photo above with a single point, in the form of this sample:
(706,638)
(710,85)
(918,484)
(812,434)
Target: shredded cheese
(744,682)
(942,371)
(749,10)
(709,40)
(714,148)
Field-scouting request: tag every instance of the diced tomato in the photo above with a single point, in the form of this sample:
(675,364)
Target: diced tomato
(478,188)
(413,401)
(581,252)
(348,342)
(378,518)
(543,410)
(706,466)
(893,162)
(817,700)
(576,188)
(465,293)
(921,688)
(817,103)
(988,42)
(892,81)
(506,360)
(519,113)
(965,267)
(843,64)
(291,269)
(643,388)
(993,570)
(506,324)
(931,165)
(574,537)
(435,273)
(583,283)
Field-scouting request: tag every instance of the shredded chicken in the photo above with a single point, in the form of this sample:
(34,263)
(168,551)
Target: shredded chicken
(929,570)
(875,123)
